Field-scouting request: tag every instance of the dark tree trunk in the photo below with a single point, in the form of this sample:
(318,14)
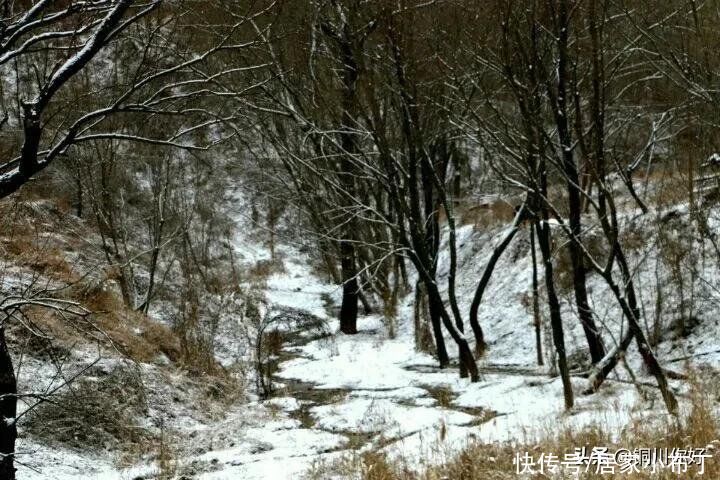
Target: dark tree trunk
(629,305)
(536,299)
(597,350)
(480,344)
(350,72)
(145,307)
(465,355)
(78,194)
(8,410)
(592,334)
(594,341)
(436,322)
(403,273)
(423,222)
(432,247)
(543,231)
(603,368)
(349,308)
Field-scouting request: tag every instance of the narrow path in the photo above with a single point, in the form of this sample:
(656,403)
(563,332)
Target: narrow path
(337,395)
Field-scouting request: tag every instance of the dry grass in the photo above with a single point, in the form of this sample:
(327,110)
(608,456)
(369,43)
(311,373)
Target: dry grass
(197,357)
(27,248)
(47,261)
(38,236)
(96,411)
(30,236)
(633,238)
(484,216)
(46,342)
(45,187)
(443,395)
(101,410)
(558,197)
(131,332)
(264,269)
(143,340)
(669,187)
(481,461)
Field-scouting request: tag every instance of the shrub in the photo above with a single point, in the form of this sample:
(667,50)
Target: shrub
(98,410)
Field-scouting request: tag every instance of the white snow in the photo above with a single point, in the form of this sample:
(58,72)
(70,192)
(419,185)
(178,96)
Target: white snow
(384,416)
(383,389)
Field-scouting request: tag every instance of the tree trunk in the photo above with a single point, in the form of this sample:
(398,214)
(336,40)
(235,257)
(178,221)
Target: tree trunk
(536,299)
(597,350)
(543,232)
(145,307)
(467,361)
(349,308)
(78,194)
(592,335)
(631,310)
(480,344)
(435,306)
(603,368)
(8,410)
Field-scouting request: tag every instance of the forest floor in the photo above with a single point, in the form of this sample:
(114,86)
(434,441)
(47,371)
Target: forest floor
(342,394)
(336,396)
(339,395)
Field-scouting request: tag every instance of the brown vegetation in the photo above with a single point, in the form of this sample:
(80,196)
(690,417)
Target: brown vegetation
(486,215)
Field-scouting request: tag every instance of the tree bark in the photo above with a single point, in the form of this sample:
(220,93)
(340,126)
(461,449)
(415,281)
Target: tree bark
(467,361)
(349,307)
(350,73)
(536,299)
(435,306)
(597,350)
(8,411)
(543,231)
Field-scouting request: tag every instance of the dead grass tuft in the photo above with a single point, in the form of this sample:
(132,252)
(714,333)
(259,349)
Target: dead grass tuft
(32,253)
(443,395)
(134,334)
(264,269)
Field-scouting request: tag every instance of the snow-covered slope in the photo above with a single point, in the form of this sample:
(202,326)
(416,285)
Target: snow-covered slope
(340,394)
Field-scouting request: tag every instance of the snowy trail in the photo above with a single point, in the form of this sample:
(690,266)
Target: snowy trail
(366,391)
(334,395)
(339,394)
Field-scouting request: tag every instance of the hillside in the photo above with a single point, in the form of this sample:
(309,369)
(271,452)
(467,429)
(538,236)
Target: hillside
(141,411)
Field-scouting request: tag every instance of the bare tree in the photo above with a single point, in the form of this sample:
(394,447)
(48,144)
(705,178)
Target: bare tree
(64,97)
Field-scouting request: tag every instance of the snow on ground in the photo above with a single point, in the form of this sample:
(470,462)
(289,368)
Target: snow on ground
(367,390)
(296,288)
(384,416)
(383,389)
(276,449)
